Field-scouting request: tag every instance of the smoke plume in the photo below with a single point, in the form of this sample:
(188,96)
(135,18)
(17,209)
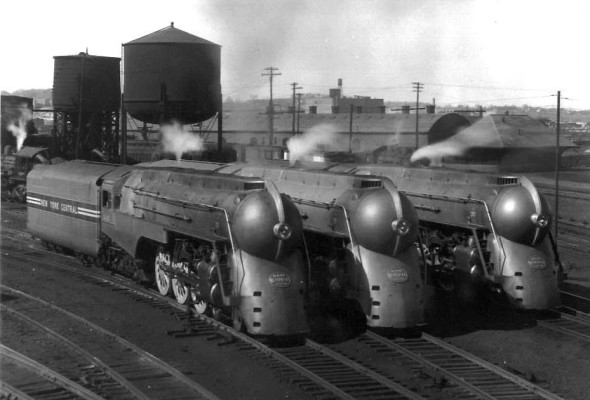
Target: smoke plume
(481,134)
(177,140)
(309,141)
(19,127)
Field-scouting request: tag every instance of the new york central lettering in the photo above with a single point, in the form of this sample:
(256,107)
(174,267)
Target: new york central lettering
(69,208)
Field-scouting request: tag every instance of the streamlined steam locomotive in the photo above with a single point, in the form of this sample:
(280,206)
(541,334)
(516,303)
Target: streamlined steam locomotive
(489,229)
(360,233)
(227,244)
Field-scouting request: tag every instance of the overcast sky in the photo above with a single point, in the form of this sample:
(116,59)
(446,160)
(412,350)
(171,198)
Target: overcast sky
(465,52)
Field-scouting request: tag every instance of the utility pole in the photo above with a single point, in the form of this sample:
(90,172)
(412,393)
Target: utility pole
(417,88)
(298,109)
(272,72)
(350,131)
(295,87)
(557,164)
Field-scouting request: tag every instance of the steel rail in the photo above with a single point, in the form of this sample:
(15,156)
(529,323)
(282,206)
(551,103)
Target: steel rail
(112,280)
(89,357)
(48,374)
(10,392)
(244,338)
(364,370)
(456,378)
(148,356)
(447,374)
(570,325)
(494,368)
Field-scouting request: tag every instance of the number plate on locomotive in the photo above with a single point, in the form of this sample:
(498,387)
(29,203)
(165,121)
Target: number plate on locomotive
(397,275)
(279,279)
(537,262)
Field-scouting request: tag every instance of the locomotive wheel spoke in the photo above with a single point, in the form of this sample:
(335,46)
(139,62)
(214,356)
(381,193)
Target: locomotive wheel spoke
(161,276)
(181,291)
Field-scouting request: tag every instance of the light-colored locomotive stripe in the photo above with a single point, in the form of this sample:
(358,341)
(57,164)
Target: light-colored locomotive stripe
(34,200)
(87,214)
(88,210)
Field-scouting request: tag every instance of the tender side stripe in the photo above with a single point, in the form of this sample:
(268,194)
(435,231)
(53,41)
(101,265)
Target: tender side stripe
(57,205)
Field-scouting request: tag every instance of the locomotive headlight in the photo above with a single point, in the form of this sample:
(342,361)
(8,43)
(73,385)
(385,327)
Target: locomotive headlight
(541,220)
(282,231)
(400,226)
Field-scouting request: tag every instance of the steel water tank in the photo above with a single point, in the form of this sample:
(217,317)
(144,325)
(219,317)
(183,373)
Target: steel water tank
(171,74)
(89,82)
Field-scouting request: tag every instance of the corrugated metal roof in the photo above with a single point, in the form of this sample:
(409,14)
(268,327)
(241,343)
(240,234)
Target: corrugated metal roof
(170,34)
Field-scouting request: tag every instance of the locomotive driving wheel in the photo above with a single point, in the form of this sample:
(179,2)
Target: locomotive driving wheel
(161,276)
(181,290)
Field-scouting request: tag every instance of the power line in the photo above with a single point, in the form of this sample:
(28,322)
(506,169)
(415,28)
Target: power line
(487,87)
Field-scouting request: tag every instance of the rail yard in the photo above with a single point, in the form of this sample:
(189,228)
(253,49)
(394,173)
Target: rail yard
(246,269)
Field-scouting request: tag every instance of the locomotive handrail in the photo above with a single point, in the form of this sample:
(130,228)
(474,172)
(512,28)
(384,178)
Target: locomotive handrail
(468,200)
(399,208)
(329,206)
(226,297)
(498,238)
(350,235)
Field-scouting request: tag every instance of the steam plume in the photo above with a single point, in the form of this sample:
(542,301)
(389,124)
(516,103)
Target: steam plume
(177,140)
(305,144)
(481,134)
(19,127)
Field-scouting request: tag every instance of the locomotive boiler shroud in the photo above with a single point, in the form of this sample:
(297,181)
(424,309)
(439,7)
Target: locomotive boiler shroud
(494,228)
(373,227)
(225,242)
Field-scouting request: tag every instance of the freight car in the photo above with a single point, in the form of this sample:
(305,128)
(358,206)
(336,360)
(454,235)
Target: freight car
(229,245)
(478,228)
(359,233)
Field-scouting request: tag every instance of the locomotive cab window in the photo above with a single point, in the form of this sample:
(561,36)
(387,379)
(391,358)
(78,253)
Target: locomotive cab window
(117,202)
(106,199)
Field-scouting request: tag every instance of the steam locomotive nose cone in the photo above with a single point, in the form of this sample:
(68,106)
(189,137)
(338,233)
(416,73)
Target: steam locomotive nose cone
(282,231)
(541,220)
(401,226)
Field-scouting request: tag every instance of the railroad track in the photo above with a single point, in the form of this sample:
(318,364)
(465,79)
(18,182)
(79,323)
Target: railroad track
(101,362)
(573,323)
(574,303)
(324,371)
(320,382)
(467,375)
(38,381)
